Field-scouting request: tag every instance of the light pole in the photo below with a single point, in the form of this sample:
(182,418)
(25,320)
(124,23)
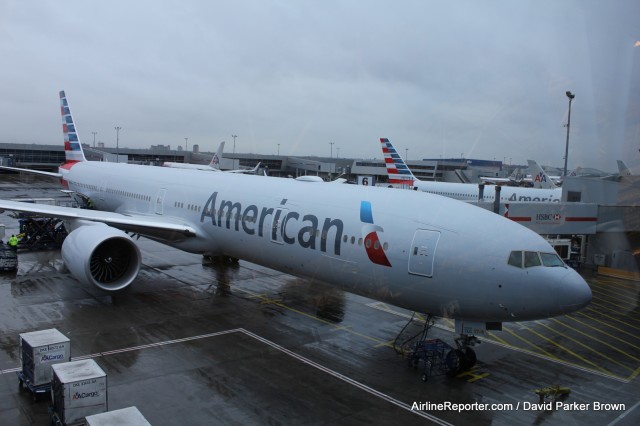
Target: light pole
(234,142)
(117,143)
(94,138)
(566,148)
(331,143)
(406,154)
(278,149)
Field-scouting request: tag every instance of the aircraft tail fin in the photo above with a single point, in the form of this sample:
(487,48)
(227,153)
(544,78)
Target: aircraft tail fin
(215,160)
(516,176)
(72,147)
(539,176)
(399,173)
(623,170)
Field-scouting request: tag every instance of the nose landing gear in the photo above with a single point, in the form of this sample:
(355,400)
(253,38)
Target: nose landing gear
(438,357)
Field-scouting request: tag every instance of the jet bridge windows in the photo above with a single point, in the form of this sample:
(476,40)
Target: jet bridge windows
(528,259)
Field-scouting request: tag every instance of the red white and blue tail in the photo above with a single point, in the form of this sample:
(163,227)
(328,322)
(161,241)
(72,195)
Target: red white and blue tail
(399,173)
(72,148)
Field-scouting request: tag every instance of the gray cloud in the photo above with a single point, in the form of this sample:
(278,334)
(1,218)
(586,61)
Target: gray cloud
(481,79)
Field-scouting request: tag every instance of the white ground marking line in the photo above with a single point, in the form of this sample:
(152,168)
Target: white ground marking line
(300,358)
(625,414)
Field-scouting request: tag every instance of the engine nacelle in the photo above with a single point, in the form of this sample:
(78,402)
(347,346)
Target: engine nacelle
(101,255)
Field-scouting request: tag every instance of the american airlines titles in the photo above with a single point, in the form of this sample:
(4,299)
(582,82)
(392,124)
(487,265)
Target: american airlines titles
(252,219)
(525,198)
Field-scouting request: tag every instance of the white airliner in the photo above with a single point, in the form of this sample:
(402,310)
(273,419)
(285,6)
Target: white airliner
(400,175)
(418,251)
(214,164)
(516,177)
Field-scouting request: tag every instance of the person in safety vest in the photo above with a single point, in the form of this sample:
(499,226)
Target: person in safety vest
(13,242)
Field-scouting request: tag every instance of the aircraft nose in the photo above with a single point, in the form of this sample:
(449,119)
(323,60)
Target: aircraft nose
(577,293)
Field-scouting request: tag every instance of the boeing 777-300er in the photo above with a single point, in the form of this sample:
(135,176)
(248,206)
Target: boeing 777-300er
(400,175)
(421,252)
(214,164)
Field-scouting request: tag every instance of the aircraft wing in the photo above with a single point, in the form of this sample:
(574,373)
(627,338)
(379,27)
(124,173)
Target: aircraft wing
(35,172)
(155,227)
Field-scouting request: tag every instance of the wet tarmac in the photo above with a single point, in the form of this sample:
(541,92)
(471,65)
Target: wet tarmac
(205,343)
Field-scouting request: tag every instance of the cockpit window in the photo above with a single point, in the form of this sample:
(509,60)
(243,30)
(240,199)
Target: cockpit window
(551,259)
(515,259)
(531,258)
(534,258)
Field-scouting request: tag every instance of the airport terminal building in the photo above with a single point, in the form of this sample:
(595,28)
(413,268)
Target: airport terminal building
(604,215)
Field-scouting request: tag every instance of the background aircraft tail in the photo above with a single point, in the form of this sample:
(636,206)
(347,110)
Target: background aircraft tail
(215,160)
(539,176)
(72,148)
(517,176)
(623,170)
(399,173)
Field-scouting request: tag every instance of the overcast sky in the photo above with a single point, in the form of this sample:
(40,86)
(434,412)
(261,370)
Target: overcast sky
(481,79)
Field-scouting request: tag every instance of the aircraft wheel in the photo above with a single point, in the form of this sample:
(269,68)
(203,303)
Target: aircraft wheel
(471,357)
(456,362)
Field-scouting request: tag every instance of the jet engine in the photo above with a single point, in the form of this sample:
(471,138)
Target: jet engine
(101,255)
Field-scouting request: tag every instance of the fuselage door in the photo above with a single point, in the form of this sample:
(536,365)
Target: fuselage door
(423,252)
(277,225)
(160,200)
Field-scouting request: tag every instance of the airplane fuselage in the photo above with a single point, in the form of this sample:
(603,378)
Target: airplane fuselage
(508,194)
(353,237)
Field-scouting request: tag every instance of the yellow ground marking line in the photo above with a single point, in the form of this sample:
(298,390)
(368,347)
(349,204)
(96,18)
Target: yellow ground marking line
(499,341)
(474,377)
(609,281)
(608,307)
(633,300)
(603,332)
(587,347)
(569,351)
(607,324)
(614,319)
(615,348)
(504,342)
(266,300)
(531,344)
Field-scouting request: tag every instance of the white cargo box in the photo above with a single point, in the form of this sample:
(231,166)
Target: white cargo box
(129,416)
(78,389)
(39,350)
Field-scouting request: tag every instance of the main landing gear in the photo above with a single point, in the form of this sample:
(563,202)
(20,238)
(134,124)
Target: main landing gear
(437,356)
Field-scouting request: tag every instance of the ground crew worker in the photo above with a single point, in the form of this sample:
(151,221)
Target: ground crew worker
(13,242)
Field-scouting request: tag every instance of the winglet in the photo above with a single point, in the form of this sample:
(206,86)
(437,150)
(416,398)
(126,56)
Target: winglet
(399,173)
(72,148)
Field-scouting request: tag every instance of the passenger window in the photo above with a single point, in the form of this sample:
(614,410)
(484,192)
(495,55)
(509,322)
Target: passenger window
(531,258)
(551,259)
(515,259)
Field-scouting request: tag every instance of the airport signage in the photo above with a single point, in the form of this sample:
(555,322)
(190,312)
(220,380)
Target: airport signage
(554,218)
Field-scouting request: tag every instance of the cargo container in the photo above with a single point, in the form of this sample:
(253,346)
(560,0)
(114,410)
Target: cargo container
(129,416)
(78,389)
(39,350)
